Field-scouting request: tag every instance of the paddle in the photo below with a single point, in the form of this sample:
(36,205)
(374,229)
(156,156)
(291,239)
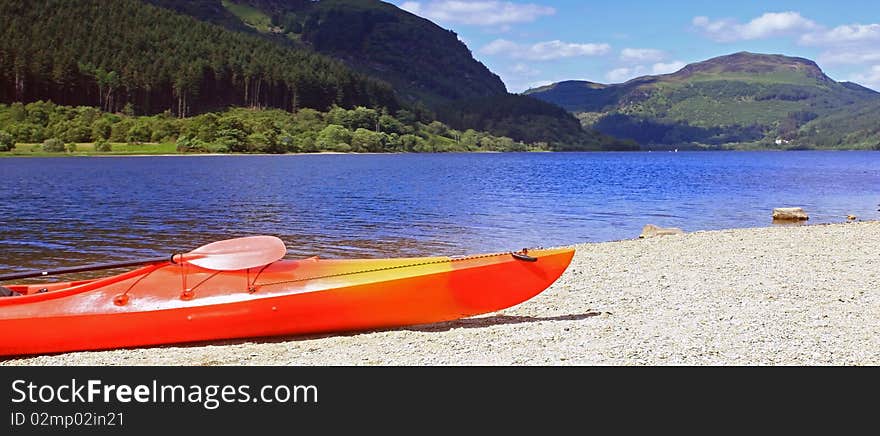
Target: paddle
(229,255)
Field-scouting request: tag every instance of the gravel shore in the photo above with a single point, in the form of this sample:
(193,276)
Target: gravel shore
(793,295)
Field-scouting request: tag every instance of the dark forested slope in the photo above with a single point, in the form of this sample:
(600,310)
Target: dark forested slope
(424,61)
(109,54)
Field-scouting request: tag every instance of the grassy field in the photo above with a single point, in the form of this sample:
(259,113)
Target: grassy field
(88,149)
(251,16)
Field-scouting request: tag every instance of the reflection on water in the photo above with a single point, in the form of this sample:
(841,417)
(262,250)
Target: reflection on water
(61,212)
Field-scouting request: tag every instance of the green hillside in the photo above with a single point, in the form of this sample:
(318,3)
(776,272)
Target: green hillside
(735,99)
(856,126)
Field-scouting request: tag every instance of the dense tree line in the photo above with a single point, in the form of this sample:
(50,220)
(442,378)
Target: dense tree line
(110,54)
(59,128)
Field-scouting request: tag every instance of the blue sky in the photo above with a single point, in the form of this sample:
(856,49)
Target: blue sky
(530,43)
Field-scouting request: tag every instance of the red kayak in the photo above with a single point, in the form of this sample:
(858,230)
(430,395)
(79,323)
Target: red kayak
(198,297)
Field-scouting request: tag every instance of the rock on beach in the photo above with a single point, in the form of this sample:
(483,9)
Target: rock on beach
(652,231)
(790,214)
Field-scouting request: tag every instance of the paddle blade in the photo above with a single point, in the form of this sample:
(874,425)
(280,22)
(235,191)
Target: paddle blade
(238,254)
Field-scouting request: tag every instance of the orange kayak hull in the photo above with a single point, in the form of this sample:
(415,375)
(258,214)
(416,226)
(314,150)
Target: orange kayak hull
(168,303)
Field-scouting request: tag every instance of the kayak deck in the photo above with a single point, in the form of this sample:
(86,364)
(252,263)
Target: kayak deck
(171,303)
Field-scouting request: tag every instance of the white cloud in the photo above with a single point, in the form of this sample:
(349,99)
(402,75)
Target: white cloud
(642,55)
(524,70)
(478,13)
(871,78)
(846,34)
(499,46)
(544,51)
(767,25)
(412,7)
(666,68)
(854,56)
(856,44)
(622,74)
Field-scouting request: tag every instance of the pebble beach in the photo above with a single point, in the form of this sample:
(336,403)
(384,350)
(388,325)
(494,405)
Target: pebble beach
(781,295)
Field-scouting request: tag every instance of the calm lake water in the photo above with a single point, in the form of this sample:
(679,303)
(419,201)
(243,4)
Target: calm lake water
(65,211)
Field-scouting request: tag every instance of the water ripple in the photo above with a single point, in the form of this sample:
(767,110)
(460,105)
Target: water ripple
(58,212)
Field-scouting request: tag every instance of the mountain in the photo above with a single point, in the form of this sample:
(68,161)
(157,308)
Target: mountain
(735,99)
(423,61)
(188,57)
(428,66)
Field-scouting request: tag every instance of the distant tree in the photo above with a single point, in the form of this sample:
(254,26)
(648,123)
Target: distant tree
(164,130)
(406,117)
(75,130)
(337,115)
(7,141)
(470,139)
(437,128)
(101,129)
(333,137)
(233,139)
(103,146)
(17,112)
(389,124)
(27,132)
(39,112)
(287,143)
(54,145)
(139,132)
(309,119)
(306,142)
(119,131)
(260,143)
(187,144)
(363,118)
(412,143)
(204,127)
(364,140)
(128,109)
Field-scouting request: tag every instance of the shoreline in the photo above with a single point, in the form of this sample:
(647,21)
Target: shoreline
(317,153)
(9,155)
(792,295)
